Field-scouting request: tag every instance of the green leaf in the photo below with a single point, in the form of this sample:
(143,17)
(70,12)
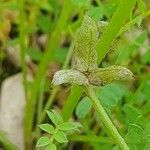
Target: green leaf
(67,126)
(131,49)
(135,134)
(132,114)
(54,117)
(85,55)
(147,143)
(60,137)
(43,141)
(102,26)
(35,54)
(96,13)
(146,57)
(113,73)
(51,146)
(83,107)
(44,23)
(111,94)
(47,128)
(79,2)
(146,89)
(70,77)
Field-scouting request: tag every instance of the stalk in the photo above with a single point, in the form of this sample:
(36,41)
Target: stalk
(47,57)
(22,40)
(105,118)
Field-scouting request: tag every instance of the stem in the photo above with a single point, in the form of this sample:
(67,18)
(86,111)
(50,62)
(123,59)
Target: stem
(105,118)
(47,57)
(22,39)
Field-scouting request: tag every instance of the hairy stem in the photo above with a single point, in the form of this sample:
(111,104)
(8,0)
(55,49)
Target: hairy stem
(105,118)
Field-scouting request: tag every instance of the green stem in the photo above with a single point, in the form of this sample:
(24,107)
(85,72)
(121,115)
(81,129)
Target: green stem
(22,39)
(105,118)
(47,57)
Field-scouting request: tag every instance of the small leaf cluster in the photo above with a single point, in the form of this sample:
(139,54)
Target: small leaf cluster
(57,131)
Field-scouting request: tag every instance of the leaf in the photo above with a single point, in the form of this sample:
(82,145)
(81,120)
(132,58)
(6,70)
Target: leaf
(147,143)
(132,114)
(111,94)
(146,57)
(60,137)
(135,134)
(51,146)
(53,117)
(102,26)
(44,23)
(85,55)
(67,126)
(131,49)
(145,89)
(47,128)
(113,73)
(79,2)
(70,77)
(96,13)
(43,141)
(35,54)
(83,107)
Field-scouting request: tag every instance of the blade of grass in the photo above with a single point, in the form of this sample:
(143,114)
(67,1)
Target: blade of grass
(133,22)
(71,102)
(22,40)
(7,144)
(121,15)
(53,44)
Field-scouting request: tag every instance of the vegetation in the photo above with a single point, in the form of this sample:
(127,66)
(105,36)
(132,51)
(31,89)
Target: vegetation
(89,60)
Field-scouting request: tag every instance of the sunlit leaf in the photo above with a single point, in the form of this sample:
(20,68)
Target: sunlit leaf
(60,137)
(47,128)
(43,141)
(53,117)
(51,146)
(67,126)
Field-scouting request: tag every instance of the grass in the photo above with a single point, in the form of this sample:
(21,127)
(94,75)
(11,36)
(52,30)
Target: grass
(64,19)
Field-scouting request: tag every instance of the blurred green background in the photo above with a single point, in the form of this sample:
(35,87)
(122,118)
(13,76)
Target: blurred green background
(37,39)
